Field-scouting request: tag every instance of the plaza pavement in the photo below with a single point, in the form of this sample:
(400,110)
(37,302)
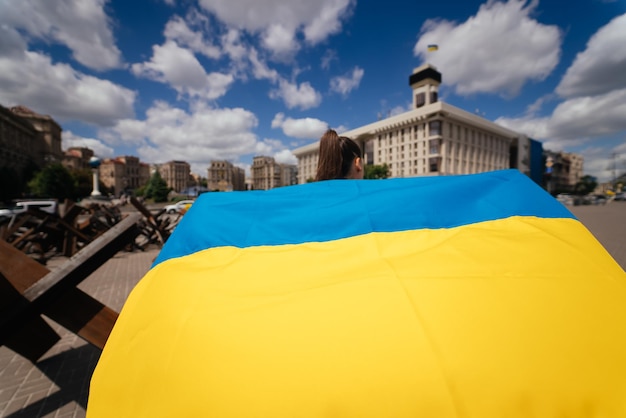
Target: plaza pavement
(57,386)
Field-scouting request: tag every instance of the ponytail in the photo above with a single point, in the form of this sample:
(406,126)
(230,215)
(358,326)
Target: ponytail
(336,154)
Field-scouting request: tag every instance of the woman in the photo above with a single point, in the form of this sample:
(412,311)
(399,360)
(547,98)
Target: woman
(339,158)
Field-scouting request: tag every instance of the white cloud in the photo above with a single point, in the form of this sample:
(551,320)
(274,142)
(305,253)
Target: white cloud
(31,79)
(81,25)
(398,110)
(260,70)
(598,162)
(206,134)
(232,45)
(305,128)
(180,68)
(531,126)
(11,42)
(345,84)
(178,30)
(280,40)
(303,96)
(341,129)
(266,147)
(536,106)
(583,118)
(601,67)
(285,157)
(316,20)
(590,116)
(471,60)
(328,20)
(329,56)
(99,148)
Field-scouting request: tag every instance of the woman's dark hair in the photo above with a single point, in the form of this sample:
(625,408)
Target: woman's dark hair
(336,156)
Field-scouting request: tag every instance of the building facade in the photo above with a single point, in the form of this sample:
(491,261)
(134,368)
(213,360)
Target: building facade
(28,141)
(123,174)
(77,158)
(49,150)
(223,176)
(288,174)
(176,174)
(19,141)
(265,173)
(433,138)
(563,171)
(268,174)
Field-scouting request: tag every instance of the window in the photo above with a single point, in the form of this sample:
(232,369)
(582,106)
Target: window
(433,146)
(433,96)
(434,127)
(420,99)
(433,164)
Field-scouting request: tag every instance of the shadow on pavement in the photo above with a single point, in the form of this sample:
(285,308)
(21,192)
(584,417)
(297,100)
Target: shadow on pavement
(71,372)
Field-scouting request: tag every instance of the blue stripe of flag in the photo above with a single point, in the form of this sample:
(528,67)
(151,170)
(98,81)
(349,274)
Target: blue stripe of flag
(338,209)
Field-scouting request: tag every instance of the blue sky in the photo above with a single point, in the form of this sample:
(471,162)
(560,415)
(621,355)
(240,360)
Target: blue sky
(198,80)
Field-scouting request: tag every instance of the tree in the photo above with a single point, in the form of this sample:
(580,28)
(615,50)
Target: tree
(374,171)
(83,183)
(585,185)
(53,181)
(157,188)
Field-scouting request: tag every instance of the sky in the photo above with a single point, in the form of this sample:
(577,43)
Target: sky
(202,80)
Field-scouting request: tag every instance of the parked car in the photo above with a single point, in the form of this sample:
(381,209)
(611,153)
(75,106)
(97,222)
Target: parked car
(50,206)
(566,199)
(597,199)
(178,206)
(620,196)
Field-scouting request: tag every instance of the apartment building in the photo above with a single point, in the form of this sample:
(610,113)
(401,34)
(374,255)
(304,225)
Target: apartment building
(28,141)
(176,174)
(268,174)
(224,176)
(123,174)
(49,150)
(563,171)
(435,138)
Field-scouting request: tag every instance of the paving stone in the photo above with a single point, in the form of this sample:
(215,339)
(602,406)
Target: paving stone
(58,385)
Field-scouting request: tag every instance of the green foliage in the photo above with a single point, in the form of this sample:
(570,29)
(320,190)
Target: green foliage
(53,181)
(585,185)
(157,189)
(83,183)
(374,171)
(141,191)
(310,180)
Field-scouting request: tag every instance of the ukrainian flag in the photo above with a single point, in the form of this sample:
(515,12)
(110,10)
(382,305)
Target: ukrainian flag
(461,296)
(433,47)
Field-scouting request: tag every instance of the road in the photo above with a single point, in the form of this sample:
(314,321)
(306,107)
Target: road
(608,224)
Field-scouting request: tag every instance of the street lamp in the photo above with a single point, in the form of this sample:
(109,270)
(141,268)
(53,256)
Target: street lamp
(94,163)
